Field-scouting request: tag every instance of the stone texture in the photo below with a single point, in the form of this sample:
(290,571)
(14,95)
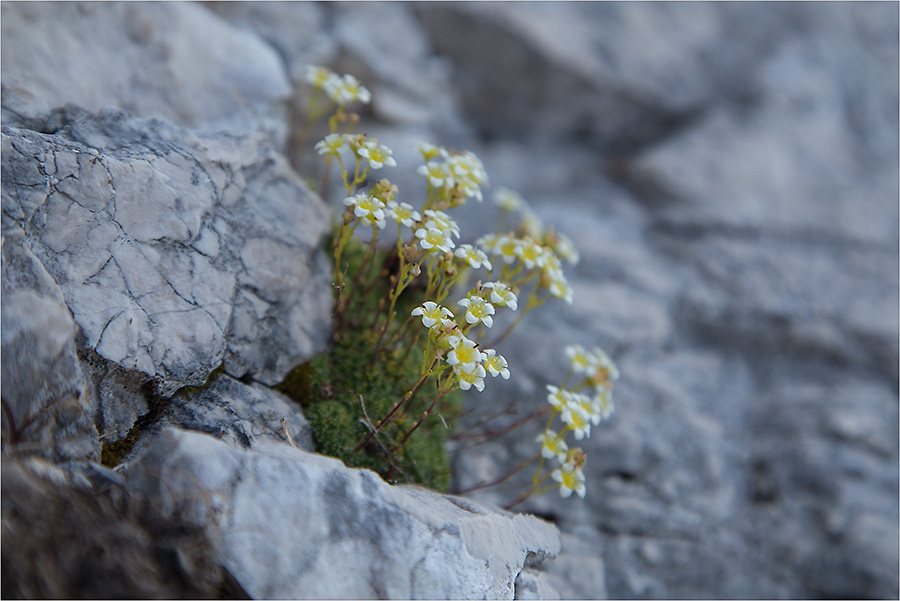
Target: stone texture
(46,407)
(240,414)
(175,251)
(287,523)
(64,539)
(174,61)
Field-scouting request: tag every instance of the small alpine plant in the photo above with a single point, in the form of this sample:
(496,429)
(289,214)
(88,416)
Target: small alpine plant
(408,292)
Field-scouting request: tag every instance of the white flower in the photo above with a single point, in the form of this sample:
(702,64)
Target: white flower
(432,313)
(474,378)
(557,283)
(320,76)
(429,151)
(507,247)
(432,237)
(553,445)
(478,309)
(489,242)
(558,398)
(330,144)
(579,360)
(532,254)
(473,256)
(571,479)
(590,407)
(369,208)
(468,173)
(402,213)
(496,364)
(442,221)
(509,200)
(436,173)
(566,249)
(464,356)
(605,364)
(365,205)
(347,89)
(378,155)
(502,295)
(577,420)
(446,334)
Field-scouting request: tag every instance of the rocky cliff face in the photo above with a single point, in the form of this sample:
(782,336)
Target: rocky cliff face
(729,174)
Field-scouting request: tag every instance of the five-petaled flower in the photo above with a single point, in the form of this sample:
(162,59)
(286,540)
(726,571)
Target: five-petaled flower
(478,309)
(552,445)
(473,256)
(571,479)
(473,378)
(442,221)
(465,355)
(402,213)
(577,420)
(432,313)
(501,295)
(378,155)
(496,364)
(436,173)
(431,238)
(331,144)
(369,208)
(347,89)
(558,398)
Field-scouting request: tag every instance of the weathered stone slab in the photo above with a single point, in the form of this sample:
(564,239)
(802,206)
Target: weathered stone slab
(288,523)
(175,61)
(46,407)
(240,414)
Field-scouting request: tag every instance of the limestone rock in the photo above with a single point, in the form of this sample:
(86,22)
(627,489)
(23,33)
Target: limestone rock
(46,407)
(175,251)
(174,61)
(241,414)
(288,523)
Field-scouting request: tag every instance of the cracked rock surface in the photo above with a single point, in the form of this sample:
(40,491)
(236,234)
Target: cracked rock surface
(175,251)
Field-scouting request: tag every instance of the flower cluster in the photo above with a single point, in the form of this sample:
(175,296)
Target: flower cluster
(521,266)
(469,364)
(578,411)
(343,90)
(452,177)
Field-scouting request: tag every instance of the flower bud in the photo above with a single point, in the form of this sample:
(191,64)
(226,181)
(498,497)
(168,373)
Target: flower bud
(347,216)
(415,271)
(410,252)
(576,458)
(450,271)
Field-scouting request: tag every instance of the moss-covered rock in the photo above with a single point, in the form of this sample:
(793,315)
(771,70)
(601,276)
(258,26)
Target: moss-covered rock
(346,390)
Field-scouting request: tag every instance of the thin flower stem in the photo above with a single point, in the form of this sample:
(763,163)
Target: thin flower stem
(407,398)
(440,394)
(359,273)
(532,491)
(533,302)
(506,429)
(501,479)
